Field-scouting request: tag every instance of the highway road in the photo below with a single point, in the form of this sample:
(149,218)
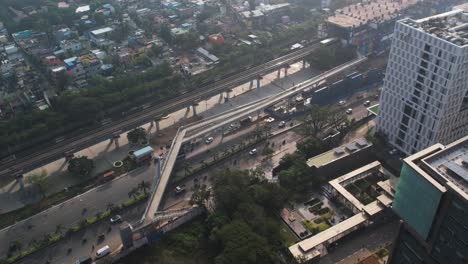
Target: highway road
(28,160)
(220,120)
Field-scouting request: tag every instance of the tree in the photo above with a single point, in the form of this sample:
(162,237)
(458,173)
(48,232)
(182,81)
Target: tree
(80,166)
(316,119)
(242,245)
(310,147)
(133,193)
(336,119)
(144,186)
(200,196)
(40,181)
(137,135)
(187,168)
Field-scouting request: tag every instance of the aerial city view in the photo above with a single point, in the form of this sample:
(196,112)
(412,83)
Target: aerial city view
(234,131)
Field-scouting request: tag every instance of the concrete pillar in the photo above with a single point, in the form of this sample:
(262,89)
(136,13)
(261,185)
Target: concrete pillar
(194,107)
(251,84)
(126,235)
(258,83)
(157,126)
(19,180)
(286,71)
(278,74)
(303,64)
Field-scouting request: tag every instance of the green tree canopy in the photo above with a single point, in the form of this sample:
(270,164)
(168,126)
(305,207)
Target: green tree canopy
(81,166)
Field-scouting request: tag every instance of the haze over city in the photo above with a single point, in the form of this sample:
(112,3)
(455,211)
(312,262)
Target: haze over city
(234,131)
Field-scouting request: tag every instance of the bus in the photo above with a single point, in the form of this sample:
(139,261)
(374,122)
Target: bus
(328,41)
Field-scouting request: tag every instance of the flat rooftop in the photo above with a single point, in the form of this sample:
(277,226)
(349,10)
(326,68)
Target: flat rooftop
(450,26)
(376,11)
(451,164)
(338,153)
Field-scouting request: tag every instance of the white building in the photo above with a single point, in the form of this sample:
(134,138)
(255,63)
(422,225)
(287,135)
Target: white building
(71,45)
(425,95)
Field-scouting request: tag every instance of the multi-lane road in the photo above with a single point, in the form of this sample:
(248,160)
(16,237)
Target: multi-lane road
(201,128)
(28,160)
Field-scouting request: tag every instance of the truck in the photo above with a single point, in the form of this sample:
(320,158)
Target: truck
(143,155)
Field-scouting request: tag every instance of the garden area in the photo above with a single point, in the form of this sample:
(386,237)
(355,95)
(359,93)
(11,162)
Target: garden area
(365,190)
(323,216)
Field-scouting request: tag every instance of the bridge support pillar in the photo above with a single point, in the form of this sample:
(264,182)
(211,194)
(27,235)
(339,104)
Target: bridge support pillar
(303,64)
(157,126)
(20,181)
(126,235)
(286,72)
(194,107)
(251,84)
(258,83)
(278,75)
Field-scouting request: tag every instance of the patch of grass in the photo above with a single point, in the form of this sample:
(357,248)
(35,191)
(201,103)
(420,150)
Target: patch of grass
(316,228)
(382,252)
(312,202)
(92,220)
(315,208)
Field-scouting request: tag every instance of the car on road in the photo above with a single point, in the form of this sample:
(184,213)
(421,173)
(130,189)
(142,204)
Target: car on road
(392,151)
(282,124)
(349,111)
(84,260)
(179,190)
(116,219)
(253,152)
(270,119)
(367,103)
(104,251)
(342,102)
(209,140)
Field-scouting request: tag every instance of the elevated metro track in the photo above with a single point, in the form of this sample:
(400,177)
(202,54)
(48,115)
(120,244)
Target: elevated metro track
(31,159)
(200,128)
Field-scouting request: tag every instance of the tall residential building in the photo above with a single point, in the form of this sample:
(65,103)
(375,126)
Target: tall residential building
(425,95)
(432,200)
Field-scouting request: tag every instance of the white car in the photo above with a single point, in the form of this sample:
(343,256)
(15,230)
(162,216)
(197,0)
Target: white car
(342,102)
(393,152)
(209,140)
(116,219)
(270,120)
(253,152)
(367,103)
(349,111)
(282,124)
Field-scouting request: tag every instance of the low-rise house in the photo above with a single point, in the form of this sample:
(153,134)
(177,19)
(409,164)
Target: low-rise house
(71,45)
(100,36)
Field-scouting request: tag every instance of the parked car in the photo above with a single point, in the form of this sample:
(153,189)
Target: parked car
(253,152)
(349,111)
(342,102)
(116,219)
(104,251)
(270,119)
(84,260)
(179,189)
(209,140)
(367,103)
(282,124)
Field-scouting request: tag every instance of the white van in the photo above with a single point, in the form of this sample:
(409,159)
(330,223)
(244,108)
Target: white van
(103,251)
